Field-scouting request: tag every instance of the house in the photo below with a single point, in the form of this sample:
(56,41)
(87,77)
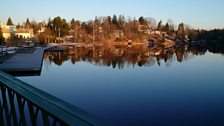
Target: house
(152,32)
(143,29)
(11,30)
(7,30)
(42,28)
(119,34)
(24,33)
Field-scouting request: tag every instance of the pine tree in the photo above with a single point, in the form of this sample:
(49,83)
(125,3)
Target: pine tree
(167,28)
(181,31)
(9,22)
(159,27)
(27,24)
(73,24)
(142,21)
(114,20)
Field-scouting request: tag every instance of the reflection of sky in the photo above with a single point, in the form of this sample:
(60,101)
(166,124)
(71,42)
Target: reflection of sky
(190,92)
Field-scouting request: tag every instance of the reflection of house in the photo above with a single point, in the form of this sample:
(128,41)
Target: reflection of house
(69,38)
(100,29)
(119,33)
(24,33)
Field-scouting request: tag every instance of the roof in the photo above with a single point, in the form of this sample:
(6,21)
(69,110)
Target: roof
(23,30)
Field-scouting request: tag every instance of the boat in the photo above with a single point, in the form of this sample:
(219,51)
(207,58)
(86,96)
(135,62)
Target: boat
(8,50)
(12,50)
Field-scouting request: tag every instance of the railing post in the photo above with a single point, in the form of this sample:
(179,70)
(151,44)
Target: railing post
(5,105)
(32,114)
(12,105)
(21,110)
(45,119)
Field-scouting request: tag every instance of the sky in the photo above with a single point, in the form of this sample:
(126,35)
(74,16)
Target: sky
(202,14)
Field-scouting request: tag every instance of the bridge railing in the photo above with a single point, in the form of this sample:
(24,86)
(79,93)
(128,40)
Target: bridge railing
(23,105)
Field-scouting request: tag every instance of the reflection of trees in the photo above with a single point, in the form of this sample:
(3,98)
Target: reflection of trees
(57,57)
(117,56)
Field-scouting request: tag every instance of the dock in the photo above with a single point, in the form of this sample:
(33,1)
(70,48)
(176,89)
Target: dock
(57,49)
(24,62)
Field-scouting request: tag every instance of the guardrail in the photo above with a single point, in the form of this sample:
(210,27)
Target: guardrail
(25,105)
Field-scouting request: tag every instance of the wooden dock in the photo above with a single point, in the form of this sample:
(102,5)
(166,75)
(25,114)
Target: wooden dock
(21,62)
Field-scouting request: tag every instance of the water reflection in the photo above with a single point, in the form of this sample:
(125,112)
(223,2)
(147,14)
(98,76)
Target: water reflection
(185,94)
(119,55)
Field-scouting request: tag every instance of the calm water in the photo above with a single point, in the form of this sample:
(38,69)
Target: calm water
(138,86)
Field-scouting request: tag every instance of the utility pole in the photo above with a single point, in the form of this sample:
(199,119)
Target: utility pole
(93,31)
(76,30)
(59,33)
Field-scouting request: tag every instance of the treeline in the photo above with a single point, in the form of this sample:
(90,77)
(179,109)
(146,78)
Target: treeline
(108,28)
(213,39)
(115,28)
(100,29)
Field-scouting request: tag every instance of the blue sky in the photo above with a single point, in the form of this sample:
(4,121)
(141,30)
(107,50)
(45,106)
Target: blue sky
(204,14)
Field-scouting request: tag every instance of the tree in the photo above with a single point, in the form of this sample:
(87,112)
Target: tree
(1,37)
(18,25)
(181,31)
(27,24)
(167,28)
(72,23)
(114,20)
(34,25)
(193,34)
(160,27)
(121,20)
(142,21)
(60,26)
(41,38)
(151,22)
(106,25)
(171,26)
(109,19)
(9,22)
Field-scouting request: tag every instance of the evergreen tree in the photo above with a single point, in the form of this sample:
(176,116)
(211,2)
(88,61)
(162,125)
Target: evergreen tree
(114,20)
(109,19)
(27,24)
(9,22)
(181,31)
(121,20)
(159,27)
(73,24)
(167,28)
(142,21)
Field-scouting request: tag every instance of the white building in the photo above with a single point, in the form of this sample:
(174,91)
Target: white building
(24,33)
(9,30)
